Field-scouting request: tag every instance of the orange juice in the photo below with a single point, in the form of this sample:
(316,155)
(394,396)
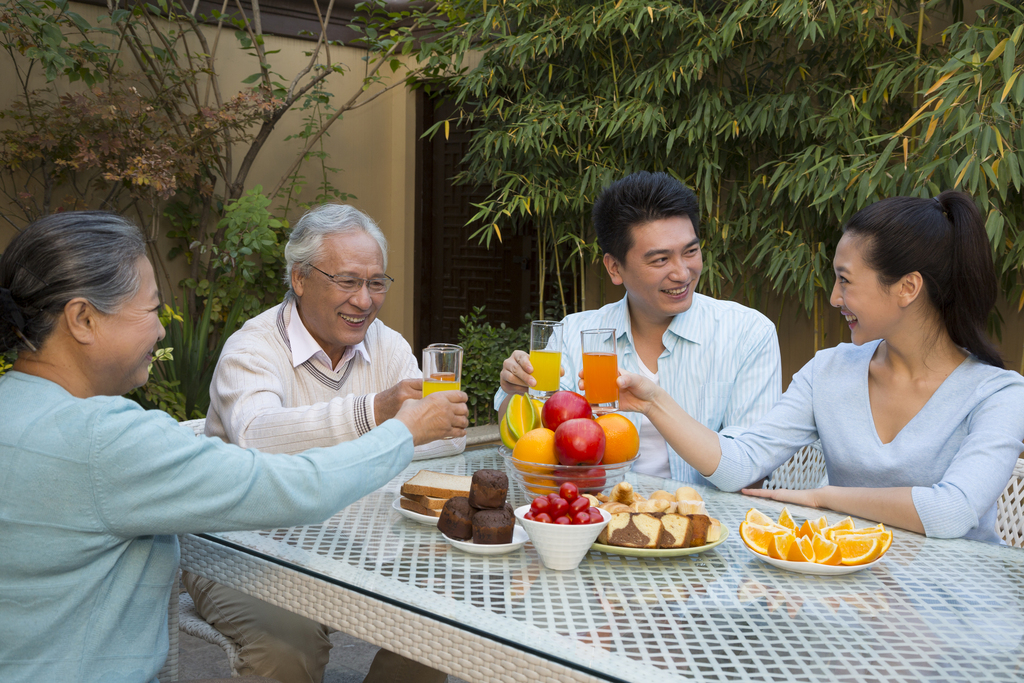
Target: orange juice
(441,381)
(545,369)
(600,370)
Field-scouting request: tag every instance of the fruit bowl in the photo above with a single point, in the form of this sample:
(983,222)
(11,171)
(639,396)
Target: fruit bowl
(539,480)
(561,546)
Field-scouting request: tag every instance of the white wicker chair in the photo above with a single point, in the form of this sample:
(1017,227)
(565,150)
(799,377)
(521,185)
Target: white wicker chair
(1010,508)
(188,620)
(805,470)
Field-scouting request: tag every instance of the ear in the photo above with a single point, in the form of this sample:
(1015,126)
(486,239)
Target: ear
(911,287)
(82,320)
(611,264)
(298,280)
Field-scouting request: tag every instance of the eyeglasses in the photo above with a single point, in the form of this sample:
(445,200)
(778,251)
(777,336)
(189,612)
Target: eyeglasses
(377,285)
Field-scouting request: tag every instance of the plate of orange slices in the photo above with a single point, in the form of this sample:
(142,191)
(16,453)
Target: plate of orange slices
(814,547)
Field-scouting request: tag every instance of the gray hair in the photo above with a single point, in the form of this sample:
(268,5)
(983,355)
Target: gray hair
(324,221)
(57,258)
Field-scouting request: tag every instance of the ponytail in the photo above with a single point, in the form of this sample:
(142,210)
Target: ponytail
(973,288)
(943,239)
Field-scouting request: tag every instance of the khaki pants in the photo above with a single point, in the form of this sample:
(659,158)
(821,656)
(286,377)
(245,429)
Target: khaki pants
(278,644)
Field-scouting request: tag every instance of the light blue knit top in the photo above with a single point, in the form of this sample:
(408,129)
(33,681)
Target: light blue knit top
(957,453)
(91,494)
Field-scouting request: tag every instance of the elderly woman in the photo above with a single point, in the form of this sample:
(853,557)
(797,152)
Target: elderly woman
(93,489)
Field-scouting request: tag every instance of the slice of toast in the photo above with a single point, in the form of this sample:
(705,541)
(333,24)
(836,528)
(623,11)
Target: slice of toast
(413,506)
(428,501)
(437,485)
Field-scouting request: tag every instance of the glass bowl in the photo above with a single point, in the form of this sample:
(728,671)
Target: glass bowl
(539,480)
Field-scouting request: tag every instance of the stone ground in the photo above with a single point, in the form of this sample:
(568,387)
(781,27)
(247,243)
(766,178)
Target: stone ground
(350,657)
(350,660)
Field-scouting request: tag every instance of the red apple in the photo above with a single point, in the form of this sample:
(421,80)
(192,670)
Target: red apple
(590,479)
(579,442)
(562,406)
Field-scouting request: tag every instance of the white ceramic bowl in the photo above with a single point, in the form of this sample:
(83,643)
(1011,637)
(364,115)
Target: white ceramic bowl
(561,546)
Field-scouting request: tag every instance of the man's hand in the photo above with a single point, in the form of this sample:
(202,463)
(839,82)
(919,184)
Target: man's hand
(387,403)
(517,374)
(438,416)
(637,394)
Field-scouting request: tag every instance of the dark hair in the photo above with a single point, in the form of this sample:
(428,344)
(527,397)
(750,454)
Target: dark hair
(944,239)
(89,254)
(637,199)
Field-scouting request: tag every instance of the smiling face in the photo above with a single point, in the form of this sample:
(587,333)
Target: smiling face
(125,339)
(870,308)
(661,269)
(338,319)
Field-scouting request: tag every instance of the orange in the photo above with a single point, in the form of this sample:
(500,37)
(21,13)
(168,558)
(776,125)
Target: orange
(786,520)
(536,446)
(801,551)
(809,528)
(541,487)
(826,552)
(845,525)
(779,546)
(622,441)
(756,536)
(884,537)
(755,516)
(859,550)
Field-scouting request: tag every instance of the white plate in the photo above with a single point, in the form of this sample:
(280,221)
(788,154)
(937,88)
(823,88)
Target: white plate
(519,539)
(660,552)
(811,567)
(414,516)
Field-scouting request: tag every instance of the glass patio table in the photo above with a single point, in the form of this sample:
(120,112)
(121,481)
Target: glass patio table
(929,610)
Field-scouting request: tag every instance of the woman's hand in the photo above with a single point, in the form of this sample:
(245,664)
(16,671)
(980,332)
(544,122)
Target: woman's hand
(438,416)
(807,497)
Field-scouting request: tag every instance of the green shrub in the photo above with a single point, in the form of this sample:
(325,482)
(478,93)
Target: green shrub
(485,348)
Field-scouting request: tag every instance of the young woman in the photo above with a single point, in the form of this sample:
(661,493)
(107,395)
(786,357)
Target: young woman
(919,423)
(93,489)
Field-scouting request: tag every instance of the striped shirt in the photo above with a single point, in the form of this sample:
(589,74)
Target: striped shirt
(721,363)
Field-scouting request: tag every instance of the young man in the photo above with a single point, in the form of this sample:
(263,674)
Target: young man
(717,359)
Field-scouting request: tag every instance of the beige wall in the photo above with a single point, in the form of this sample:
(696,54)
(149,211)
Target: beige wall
(375,148)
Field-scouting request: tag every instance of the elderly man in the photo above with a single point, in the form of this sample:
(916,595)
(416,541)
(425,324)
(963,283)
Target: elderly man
(316,370)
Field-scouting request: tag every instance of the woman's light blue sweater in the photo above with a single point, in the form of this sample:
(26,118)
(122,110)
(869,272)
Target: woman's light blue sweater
(957,453)
(92,493)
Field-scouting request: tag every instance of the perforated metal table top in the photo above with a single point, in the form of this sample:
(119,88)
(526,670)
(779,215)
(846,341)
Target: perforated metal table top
(930,610)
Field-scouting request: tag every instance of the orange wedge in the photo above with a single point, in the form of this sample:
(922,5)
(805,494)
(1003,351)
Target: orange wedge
(866,529)
(826,552)
(779,546)
(756,536)
(801,551)
(755,516)
(844,525)
(885,537)
(811,527)
(786,520)
(858,549)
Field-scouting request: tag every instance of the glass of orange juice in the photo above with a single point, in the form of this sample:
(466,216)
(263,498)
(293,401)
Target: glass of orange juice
(600,370)
(442,368)
(545,356)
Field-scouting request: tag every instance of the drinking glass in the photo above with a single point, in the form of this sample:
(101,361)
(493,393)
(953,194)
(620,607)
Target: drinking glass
(600,370)
(545,356)
(442,368)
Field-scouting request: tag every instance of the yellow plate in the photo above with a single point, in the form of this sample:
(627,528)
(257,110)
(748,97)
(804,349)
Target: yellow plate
(660,552)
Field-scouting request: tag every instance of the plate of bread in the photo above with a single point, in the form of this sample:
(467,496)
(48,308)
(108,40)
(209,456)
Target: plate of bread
(424,495)
(663,524)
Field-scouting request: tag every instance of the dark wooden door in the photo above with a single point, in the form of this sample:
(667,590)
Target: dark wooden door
(453,272)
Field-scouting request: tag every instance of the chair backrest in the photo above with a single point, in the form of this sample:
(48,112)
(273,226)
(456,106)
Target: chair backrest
(198,427)
(1010,508)
(805,470)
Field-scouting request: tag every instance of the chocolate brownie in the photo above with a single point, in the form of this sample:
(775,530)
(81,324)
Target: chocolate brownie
(491,527)
(456,519)
(488,489)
